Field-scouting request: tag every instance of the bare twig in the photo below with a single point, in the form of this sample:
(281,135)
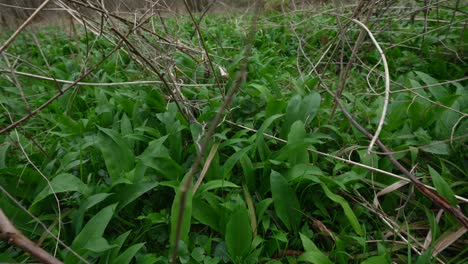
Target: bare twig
(10,234)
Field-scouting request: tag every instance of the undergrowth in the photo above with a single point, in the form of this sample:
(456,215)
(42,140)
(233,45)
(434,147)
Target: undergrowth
(115,156)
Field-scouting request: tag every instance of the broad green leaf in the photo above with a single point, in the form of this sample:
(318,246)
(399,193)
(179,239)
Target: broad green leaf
(312,253)
(206,214)
(215,184)
(128,254)
(376,260)
(127,193)
(442,187)
(3,151)
(64,182)
(118,243)
(93,230)
(310,106)
(437,91)
(239,233)
(126,129)
(232,160)
(346,208)
(315,257)
(296,136)
(98,245)
(116,153)
(248,172)
(89,202)
(437,148)
(293,113)
(157,157)
(285,200)
(262,206)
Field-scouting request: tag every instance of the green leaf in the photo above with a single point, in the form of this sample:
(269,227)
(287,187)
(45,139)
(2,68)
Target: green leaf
(293,113)
(206,214)
(116,153)
(239,233)
(98,245)
(118,243)
(128,254)
(437,148)
(285,200)
(93,230)
(248,172)
(312,253)
(310,106)
(442,187)
(157,157)
(3,150)
(437,91)
(64,182)
(314,257)
(215,184)
(296,145)
(127,193)
(232,160)
(376,260)
(346,208)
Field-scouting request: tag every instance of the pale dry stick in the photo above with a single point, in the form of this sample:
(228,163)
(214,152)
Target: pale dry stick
(37,220)
(23,26)
(445,241)
(59,210)
(428,240)
(368,77)
(205,167)
(9,233)
(40,77)
(211,130)
(452,132)
(460,198)
(387,84)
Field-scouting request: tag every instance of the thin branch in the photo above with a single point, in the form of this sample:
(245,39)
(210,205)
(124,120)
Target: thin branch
(387,84)
(211,130)
(10,234)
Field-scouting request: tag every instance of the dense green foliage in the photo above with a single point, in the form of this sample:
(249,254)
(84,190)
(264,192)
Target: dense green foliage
(115,156)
